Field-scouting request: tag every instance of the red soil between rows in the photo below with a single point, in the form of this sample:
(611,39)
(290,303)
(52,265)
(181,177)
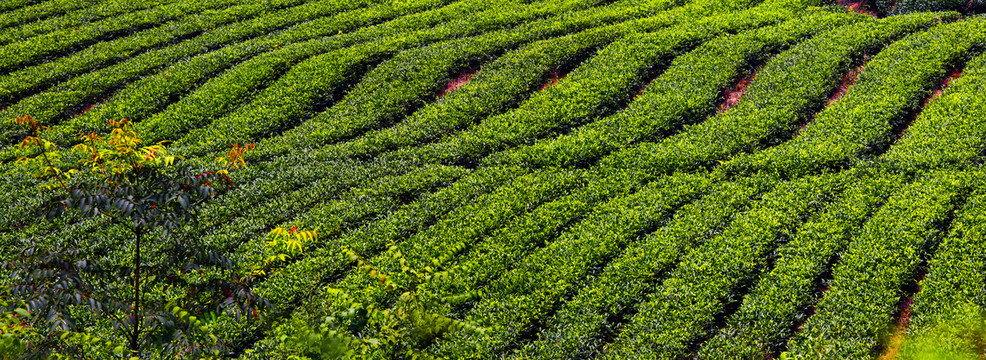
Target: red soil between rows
(84,109)
(939,89)
(553,79)
(847,81)
(734,94)
(457,82)
(944,83)
(892,347)
(859,6)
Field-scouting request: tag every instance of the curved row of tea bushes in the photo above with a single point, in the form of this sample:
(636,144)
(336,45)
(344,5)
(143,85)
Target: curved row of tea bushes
(897,7)
(463,227)
(238,85)
(767,316)
(868,281)
(16,4)
(601,85)
(325,127)
(940,310)
(684,308)
(152,93)
(39,12)
(788,91)
(470,220)
(55,104)
(861,124)
(29,51)
(320,79)
(274,109)
(498,253)
(71,19)
(209,100)
(297,285)
(496,87)
(581,326)
(686,93)
(512,304)
(950,132)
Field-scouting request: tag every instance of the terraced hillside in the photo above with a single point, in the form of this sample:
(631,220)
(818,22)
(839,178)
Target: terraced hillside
(607,179)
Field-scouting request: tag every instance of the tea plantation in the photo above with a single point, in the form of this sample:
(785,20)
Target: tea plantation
(545,179)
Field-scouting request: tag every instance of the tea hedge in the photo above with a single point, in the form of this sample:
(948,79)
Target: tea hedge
(861,124)
(582,326)
(92,11)
(869,279)
(769,110)
(686,93)
(953,285)
(948,133)
(601,85)
(764,321)
(530,179)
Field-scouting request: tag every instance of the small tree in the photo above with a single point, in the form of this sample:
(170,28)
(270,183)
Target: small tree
(172,279)
(401,331)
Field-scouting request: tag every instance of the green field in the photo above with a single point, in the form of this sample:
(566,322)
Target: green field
(590,179)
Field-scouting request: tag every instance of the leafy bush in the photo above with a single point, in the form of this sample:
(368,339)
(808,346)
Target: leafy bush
(172,280)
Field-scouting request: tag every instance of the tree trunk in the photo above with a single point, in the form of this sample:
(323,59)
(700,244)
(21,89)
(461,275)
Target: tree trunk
(135,311)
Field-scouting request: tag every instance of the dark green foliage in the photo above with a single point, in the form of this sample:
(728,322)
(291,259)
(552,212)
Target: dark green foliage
(73,290)
(899,7)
